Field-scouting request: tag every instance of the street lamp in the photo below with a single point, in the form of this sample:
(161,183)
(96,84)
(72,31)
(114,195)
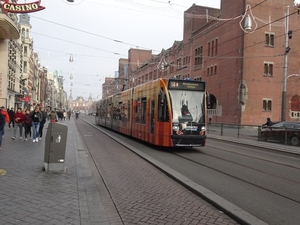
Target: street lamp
(288,35)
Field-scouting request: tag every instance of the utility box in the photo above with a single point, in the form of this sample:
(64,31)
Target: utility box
(55,147)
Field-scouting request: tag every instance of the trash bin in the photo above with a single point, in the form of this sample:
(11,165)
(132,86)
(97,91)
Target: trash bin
(55,147)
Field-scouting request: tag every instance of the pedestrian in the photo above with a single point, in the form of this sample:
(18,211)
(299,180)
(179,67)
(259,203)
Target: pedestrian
(6,117)
(53,116)
(19,119)
(11,114)
(44,117)
(268,123)
(36,118)
(64,115)
(69,114)
(2,123)
(27,124)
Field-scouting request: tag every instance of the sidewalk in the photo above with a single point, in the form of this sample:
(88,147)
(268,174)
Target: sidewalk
(260,144)
(29,195)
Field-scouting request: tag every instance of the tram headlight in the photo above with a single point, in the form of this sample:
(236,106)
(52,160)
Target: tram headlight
(203,129)
(175,128)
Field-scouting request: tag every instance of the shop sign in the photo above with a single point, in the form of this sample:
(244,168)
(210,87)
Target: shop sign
(22,8)
(25,99)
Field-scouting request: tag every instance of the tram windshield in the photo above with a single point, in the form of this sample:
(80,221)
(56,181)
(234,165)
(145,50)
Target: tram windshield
(187,106)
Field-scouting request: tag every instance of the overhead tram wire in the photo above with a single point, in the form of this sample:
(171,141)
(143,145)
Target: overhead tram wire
(93,47)
(93,34)
(68,53)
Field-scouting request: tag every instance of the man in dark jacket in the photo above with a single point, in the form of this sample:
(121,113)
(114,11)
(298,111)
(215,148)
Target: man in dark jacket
(268,123)
(11,114)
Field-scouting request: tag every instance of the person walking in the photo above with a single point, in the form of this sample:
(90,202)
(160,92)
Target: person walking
(19,118)
(6,117)
(27,124)
(11,114)
(69,114)
(42,123)
(36,118)
(2,123)
(53,116)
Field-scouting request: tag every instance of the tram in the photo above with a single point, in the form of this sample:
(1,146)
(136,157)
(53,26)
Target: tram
(164,112)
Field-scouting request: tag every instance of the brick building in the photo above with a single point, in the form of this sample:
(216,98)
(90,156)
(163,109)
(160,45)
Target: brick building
(244,68)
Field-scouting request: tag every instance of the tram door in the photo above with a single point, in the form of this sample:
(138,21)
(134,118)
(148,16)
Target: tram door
(152,117)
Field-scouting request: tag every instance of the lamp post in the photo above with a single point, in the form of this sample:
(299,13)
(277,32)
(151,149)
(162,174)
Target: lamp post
(286,51)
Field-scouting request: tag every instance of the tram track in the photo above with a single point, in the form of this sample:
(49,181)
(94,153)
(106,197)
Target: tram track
(270,198)
(232,162)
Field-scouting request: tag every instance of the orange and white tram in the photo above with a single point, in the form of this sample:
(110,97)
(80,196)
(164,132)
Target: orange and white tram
(163,112)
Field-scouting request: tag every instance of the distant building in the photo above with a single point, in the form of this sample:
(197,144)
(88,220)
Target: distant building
(81,105)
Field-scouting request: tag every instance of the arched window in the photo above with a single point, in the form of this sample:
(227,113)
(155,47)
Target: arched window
(295,103)
(212,102)
(27,33)
(23,32)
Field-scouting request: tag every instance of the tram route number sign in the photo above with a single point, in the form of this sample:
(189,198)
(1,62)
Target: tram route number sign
(187,85)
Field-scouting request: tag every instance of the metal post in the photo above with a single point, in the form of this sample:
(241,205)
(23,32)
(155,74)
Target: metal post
(286,45)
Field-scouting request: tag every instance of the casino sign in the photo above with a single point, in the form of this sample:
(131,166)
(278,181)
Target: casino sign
(22,8)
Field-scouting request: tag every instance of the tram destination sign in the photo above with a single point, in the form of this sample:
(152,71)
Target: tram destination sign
(187,85)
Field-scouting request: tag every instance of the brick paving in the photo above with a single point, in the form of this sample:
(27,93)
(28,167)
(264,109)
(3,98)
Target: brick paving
(29,195)
(141,193)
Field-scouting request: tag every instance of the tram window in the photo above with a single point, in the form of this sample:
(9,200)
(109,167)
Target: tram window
(152,120)
(137,110)
(143,110)
(163,114)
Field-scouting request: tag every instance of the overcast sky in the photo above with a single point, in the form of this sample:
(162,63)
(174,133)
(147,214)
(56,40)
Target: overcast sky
(97,33)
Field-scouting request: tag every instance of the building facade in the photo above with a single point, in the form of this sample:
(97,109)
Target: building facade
(24,82)
(244,68)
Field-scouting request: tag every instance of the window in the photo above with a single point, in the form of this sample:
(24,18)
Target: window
(25,51)
(208,49)
(198,57)
(295,103)
(172,67)
(216,47)
(163,112)
(270,39)
(179,63)
(267,105)
(212,47)
(216,69)
(25,67)
(211,70)
(268,69)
